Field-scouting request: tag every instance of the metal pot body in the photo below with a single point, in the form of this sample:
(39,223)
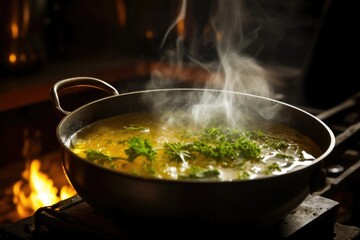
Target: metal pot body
(254,202)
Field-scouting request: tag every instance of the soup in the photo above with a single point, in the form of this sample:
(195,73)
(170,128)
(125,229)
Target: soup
(145,145)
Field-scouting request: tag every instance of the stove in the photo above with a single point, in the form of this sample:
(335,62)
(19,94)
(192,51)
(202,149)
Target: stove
(342,167)
(75,217)
(333,212)
(328,213)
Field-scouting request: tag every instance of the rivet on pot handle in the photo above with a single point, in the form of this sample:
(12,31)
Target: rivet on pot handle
(77,82)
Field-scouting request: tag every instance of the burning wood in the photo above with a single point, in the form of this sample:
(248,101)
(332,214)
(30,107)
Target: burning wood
(36,190)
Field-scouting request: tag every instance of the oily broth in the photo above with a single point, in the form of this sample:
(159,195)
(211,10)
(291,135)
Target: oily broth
(108,137)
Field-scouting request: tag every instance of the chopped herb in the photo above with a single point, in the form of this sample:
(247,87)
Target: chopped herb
(216,143)
(277,144)
(139,147)
(198,173)
(282,155)
(249,148)
(149,169)
(215,134)
(226,150)
(272,168)
(244,175)
(178,151)
(93,155)
(256,134)
(203,148)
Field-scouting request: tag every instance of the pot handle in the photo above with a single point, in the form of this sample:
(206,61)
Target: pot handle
(77,82)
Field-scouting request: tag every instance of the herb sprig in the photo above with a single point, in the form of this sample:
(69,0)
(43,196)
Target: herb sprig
(216,143)
(139,146)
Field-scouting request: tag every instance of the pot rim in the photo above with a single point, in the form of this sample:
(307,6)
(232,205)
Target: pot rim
(316,161)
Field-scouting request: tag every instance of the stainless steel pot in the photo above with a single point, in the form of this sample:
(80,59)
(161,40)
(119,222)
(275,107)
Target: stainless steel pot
(256,202)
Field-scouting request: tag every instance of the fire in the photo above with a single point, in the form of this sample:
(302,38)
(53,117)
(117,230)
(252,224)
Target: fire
(36,190)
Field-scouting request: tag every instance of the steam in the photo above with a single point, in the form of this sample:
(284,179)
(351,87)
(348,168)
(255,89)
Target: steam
(230,70)
(180,17)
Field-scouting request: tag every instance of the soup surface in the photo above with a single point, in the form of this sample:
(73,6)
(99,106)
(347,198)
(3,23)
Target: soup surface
(145,145)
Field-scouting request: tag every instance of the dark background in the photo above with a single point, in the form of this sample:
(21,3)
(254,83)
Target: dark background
(312,46)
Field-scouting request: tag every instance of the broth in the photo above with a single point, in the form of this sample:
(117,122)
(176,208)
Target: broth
(145,145)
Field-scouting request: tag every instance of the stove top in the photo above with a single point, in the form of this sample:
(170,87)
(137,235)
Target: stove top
(342,166)
(314,219)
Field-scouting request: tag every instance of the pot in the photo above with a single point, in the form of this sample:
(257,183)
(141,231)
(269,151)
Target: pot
(256,202)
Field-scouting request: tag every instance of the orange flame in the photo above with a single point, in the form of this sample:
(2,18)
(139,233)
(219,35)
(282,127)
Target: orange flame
(37,191)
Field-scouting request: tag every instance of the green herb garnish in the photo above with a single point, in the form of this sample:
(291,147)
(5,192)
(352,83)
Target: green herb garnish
(178,151)
(93,155)
(216,143)
(272,168)
(277,144)
(139,147)
(199,173)
(282,155)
